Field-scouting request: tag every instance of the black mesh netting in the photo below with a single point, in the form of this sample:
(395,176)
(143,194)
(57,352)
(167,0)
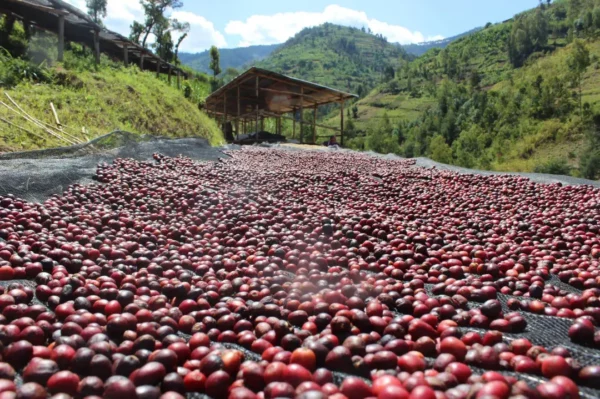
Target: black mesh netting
(35,176)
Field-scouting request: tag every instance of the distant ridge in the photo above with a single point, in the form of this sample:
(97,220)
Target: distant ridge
(242,57)
(421,48)
(230,57)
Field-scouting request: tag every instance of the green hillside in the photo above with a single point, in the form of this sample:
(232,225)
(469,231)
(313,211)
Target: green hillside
(337,56)
(89,100)
(236,58)
(504,98)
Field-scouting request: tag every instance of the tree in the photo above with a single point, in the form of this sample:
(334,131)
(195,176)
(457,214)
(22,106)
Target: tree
(154,11)
(389,73)
(529,34)
(215,61)
(96,10)
(136,32)
(380,138)
(578,62)
(184,29)
(538,30)
(163,45)
(596,17)
(475,80)
(439,150)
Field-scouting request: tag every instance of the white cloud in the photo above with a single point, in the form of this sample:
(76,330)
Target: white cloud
(202,32)
(277,28)
(122,13)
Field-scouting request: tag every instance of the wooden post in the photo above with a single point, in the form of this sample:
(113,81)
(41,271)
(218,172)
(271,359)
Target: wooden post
(126,54)
(301,114)
(142,60)
(257,113)
(61,38)
(97,46)
(224,111)
(315,126)
(256,124)
(239,111)
(27,29)
(342,122)
(170,73)
(157,68)
(294,124)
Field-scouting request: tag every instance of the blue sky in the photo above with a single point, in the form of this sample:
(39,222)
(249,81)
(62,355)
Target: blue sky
(237,23)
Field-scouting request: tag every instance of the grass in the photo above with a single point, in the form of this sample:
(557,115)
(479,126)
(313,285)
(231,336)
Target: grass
(99,102)
(92,100)
(91,103)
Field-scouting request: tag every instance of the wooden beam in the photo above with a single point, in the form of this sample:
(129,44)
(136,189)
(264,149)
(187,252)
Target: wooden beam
(291,82)
(61,38)
(291,93)
(49,10)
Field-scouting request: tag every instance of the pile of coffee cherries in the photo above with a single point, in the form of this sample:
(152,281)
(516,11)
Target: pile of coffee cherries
(298,274)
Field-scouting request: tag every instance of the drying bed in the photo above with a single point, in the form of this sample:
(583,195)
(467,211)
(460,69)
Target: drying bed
(281,274)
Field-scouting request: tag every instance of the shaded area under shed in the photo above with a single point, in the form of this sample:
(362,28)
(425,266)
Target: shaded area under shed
(259,93)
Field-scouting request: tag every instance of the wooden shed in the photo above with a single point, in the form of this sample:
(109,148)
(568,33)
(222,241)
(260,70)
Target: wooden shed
(72,24)
(258,94)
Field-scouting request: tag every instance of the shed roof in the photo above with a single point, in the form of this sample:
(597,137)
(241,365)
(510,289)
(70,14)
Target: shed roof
(79,28)
(271,92)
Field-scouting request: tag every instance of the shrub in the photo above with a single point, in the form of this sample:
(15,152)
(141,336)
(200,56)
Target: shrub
(187,90)
(440,151)
(557,166)
(589,164)
(15,70)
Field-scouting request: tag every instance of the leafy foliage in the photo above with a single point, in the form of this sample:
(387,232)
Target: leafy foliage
(16,70)
(158,24)
(97,9)
(558,166)
(215,64)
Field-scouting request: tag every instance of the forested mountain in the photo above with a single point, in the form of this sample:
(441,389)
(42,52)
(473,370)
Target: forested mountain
(421,48)
(523,95)
(341,57)
(230,58)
